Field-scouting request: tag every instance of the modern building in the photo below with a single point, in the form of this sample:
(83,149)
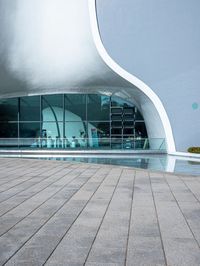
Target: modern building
(60,87)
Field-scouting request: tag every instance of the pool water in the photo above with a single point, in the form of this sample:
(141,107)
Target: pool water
(166,163)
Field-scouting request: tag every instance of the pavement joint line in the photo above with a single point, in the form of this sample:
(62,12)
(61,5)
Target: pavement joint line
(130,218)
(102,219)
(18,178)
(36,192)
(166,183)
(157,219)
(12,178)
(182,213)
(88,178)
(11,171)
(42,202)
(45,178)
(191,191)
(9,174)
(16,185)
(106,176)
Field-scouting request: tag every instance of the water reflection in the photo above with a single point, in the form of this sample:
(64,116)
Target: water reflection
(173,164)
(179,165)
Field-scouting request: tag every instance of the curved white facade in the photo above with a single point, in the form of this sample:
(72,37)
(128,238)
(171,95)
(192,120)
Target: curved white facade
(53,46)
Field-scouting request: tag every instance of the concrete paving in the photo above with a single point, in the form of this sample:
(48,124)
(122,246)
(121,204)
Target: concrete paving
(63,213)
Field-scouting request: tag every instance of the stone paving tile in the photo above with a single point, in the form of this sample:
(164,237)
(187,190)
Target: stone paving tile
(25,229)
(102,264)
(146,251)
(191,212)
(61,213)
(111,240)
(57,225)
(15,215)
(144,245)
(71,244)
(172,222)
(182,252)
(194,186)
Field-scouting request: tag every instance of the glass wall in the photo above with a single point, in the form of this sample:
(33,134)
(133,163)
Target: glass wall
(29,109)
(9,109)
(73,121)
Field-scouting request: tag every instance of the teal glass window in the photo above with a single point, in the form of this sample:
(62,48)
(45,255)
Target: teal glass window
(9,109)
(8,130)
(29,130)
(72,121)
(140,130)
(75,107)
(52,129)
(98,107)
(29,108)
(76,132)
(52,108)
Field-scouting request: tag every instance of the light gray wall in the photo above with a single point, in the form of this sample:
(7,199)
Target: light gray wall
(159,42)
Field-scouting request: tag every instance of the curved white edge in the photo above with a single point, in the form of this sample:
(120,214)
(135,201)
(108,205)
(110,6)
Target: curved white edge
(130,78)
(182,156)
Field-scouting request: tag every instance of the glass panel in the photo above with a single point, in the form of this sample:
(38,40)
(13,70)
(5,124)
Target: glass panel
(128,124)
(52,130)
(140,130)
(116,142)
(76,134)
(128,143)
(9,109)
(52,108)
(30,108)
(98,134)
(8,130)
(75,107)
(138,115)
(116,117)
(52,135)
(116,131)
(98,107)
(29,130)
(119,102)
(128,117)
(128,131)
(116,111)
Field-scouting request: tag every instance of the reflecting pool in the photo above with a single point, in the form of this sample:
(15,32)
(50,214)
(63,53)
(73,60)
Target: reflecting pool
(167,163)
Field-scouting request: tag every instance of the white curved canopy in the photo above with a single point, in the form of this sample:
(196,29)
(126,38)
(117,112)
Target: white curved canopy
(53,46)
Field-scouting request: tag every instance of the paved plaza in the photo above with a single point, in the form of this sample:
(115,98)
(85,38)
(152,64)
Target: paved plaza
(64,213)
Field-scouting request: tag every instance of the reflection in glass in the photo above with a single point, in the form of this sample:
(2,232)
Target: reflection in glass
(98,107)
(75,107)
(74,121)
(138,115)
(9,109)
(30,108)
(116,142)
(52,135)
(98,134)
(76,134)
(52,129)
(119,102)
(52,108)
